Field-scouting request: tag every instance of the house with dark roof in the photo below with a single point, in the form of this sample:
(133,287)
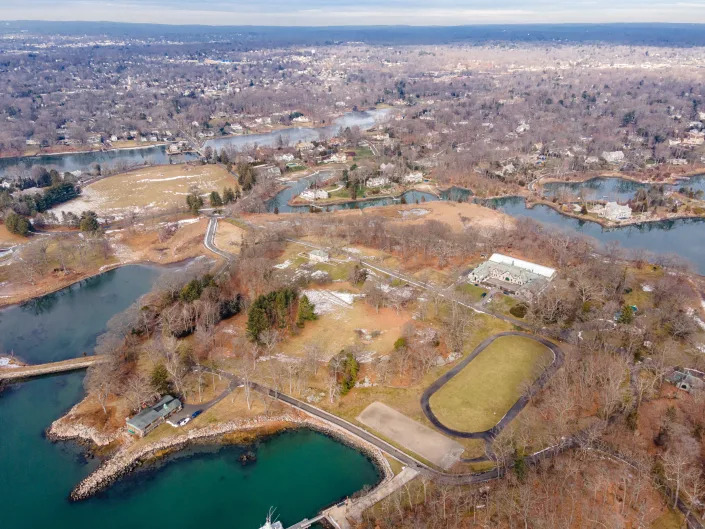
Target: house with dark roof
(149,418)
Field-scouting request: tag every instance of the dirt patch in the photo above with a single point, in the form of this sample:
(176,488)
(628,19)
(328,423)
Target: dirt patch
(228,237)
(458,216)
(9,239)
(431,445)
(342,326)
(145,244)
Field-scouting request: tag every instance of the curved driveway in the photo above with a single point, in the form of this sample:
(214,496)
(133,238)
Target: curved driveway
(489,435)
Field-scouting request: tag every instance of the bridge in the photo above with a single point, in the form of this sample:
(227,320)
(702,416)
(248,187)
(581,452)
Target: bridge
(73,364)
(305,523)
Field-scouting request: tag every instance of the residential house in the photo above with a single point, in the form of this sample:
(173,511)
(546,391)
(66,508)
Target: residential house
(149,418)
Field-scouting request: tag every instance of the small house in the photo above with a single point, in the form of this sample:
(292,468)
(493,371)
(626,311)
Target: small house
(151,417)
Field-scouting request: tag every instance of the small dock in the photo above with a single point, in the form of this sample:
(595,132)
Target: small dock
(73,364)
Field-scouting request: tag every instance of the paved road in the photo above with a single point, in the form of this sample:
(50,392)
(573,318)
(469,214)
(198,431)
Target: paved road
(489,435)
(208,240)
(189,409)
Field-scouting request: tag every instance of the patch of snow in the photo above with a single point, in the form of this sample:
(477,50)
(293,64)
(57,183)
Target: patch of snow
(326,301)
(647,288)
(414,212)
(284,265)
(8,363)
(180,177)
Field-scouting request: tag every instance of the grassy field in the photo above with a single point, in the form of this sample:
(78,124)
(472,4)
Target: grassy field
(476,399)
(473,292)
(150,189)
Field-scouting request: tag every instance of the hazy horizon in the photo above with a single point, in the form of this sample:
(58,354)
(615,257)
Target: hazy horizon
(358,13)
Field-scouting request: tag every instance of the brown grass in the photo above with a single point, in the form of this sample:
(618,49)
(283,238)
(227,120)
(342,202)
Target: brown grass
(157,188)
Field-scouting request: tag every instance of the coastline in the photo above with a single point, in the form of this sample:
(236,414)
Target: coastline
(125,460)
(606,223)
(321,205)
(19,300)
(82,151)
(584,177)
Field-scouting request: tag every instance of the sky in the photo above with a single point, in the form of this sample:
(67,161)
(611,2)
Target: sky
(355,12)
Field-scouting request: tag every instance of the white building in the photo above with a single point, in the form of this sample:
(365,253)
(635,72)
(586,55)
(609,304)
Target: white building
(413,178)
(379,181)
(522,277)
(286,157)
(613,211)
(613,157)
(337,158)
(314,194)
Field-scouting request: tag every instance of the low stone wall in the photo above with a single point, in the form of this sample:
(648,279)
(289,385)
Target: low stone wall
(128,458)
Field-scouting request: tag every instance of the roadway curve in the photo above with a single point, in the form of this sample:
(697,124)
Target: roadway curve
(209,239)
(385,447)
(489,435)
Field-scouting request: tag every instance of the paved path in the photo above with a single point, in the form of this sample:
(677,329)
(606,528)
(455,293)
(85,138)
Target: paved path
(63,366)
(353,510)
(489,435)
(208,240)
(189,409)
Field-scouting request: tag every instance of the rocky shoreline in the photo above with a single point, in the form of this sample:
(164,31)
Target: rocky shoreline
(126,459)
(69,428)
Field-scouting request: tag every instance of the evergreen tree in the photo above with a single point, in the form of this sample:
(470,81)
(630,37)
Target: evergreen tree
(306,311)
(160,379)
(228,195)
(215,200)
(89,222)
(17,224)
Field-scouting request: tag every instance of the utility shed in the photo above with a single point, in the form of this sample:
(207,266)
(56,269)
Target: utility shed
(149,418)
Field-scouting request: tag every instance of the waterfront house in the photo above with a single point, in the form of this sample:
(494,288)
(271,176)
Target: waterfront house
(613,211)
(378,181)
(413,178)
(151,417)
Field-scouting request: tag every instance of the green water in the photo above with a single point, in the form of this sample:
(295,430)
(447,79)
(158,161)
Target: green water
(297,472)
(65,324)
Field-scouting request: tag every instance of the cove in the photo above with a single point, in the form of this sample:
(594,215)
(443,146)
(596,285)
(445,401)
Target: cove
(614,188)
(65,324)
(683,237)
(298,472)
(280,202)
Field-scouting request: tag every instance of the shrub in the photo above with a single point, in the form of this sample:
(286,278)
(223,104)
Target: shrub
(519,310)
(17,224)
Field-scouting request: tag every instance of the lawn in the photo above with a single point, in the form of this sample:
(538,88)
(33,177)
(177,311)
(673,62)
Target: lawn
(476,398)
(472,291)
(159,188)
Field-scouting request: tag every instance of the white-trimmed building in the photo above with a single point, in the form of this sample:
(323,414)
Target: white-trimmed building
(314,194)
(509,273)
(379,181)
(413,178)
(613,211)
